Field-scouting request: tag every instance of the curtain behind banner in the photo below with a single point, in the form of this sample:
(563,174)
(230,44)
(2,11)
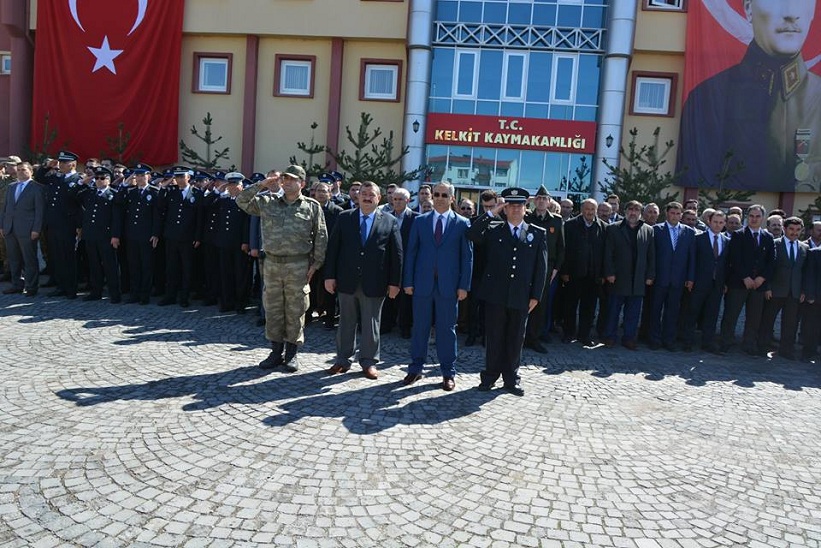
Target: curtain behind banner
(759,99)
(104,69)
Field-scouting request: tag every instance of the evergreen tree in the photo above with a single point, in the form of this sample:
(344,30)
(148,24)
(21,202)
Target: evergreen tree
(212,158)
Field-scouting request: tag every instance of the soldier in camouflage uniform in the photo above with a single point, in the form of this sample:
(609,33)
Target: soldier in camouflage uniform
(294,243)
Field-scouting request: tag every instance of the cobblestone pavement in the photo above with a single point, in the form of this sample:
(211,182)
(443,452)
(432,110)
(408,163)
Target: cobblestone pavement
(146,426)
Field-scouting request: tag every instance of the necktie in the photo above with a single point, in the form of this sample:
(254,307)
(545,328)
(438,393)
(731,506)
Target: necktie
(715,245)
(363,229)
(18,192)
(792,252)
(674,236)
(755,236)
(515,232)
(437,233)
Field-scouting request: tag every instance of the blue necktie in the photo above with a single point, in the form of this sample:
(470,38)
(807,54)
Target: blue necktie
(363,229)
(18,193)
(437,233)
(515,232)
(674,236)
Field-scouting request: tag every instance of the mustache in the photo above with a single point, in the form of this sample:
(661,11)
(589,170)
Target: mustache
(790,28)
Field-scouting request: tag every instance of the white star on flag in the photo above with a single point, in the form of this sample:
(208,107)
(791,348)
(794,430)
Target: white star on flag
(105,56)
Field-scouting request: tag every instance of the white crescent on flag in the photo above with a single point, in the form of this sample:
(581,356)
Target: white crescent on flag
(72,6)
(142,5)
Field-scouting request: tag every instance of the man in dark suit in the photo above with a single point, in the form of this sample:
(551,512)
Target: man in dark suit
(425,193)
(62,220)
(180,222)
(615,205)
(363,263)
(582,271)
(353,196)
(784,293)
(811,313)
(400,309)
(675,270)
(21,222)
(511,286)
(629,266)
(711,252)
(139,199)
(438,266)
(322,301)
(752,261)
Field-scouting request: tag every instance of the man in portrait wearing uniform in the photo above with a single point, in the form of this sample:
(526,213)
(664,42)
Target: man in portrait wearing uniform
(138,199)
(179,222)
(512,285)
(294,243)
(766,109)
(63,220)
(101,231)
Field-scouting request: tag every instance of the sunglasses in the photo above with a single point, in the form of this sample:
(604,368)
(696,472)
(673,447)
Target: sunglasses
(441,195)
(99,177)
(465,208)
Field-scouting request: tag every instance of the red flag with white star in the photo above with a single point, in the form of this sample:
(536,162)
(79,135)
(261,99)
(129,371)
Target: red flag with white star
(107,74)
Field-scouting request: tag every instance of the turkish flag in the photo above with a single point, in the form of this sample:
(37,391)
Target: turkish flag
(106,74)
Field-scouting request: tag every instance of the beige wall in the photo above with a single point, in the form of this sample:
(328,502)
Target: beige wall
(282,121)
(226,110)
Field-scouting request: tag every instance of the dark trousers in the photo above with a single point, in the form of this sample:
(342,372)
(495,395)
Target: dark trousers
(539,316)
(705,301)
(788,306)
(580,295)
(646,314)
(603,296)
(22,258)
(125,270)
(476,315)
(753,302)
(102,263)
(356,310)
(159,268)
(503,343)
(632,310)
(810,329)
(235,281)
(62,251)
(664,313)
(179,262)
(209,262)
(141,267)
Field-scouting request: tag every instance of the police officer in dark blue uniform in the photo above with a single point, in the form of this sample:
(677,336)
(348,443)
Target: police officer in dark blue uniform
(179,221)
(62,220)
(511,285)
(139,199)
(206,258)
(232,243)
(101,231)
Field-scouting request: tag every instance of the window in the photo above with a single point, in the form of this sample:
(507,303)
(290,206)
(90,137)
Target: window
(294,76)
(466,74)
(380,80)
(653,93)
(666,5)
(5,63)
(563,89)
(515,68)
(212,73)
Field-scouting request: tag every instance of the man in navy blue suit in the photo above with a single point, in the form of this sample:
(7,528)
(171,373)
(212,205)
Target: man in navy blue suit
(712,249)
(363,264)
(438,267)
(400,310)
(675,270)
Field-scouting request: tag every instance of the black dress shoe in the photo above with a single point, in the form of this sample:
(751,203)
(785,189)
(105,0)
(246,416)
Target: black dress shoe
(56,293)
(132,300)
(115,300)
(92,297)
(470,341)
(144,301)
(405,334)
(12,290)
(71,296)
(30,292)
(515,389)
(484,387)
(671,347)
(536,346)
(653,345)
(165,301)
(184,303)
(50,283)
(411,378)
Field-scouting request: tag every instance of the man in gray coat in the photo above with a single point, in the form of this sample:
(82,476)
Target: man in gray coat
(629,266)
(21,222)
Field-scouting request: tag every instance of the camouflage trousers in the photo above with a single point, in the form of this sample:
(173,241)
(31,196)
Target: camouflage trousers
(285,300)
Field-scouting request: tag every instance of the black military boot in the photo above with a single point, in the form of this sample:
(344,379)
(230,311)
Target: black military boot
(274,359)
(289,361)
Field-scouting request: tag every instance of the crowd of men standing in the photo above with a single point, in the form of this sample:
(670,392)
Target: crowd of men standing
(506,274)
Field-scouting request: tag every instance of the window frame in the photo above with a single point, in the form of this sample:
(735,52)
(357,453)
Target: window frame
(281,58)
(638,77)
(522,83)
(199,58)
(4,57)
(365,64)
(647,5)
(573,80)
(457,64)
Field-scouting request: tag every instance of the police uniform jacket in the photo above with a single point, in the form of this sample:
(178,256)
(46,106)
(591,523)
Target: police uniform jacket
(102,214)
(63,213)
(179,219)
(138,211)
(233,224)
(516,270)
(210,214)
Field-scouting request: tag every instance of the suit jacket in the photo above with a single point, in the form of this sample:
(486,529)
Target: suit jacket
(102,214)
(674,267)
(63,214)
(811,283)
(138,211)
(750,260)
(706,264)
(408,217)
(178,219)
(786,281)
(374,266)
(518,271)
(618,258)
(331,212)
(584,252)
(26,214)
(448,264)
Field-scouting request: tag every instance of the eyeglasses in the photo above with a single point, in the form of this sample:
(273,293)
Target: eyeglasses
(441,195)
(465,208)
(99,177)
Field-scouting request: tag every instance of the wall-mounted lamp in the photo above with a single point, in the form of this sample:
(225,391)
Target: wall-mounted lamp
(609,141)
(415,126)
